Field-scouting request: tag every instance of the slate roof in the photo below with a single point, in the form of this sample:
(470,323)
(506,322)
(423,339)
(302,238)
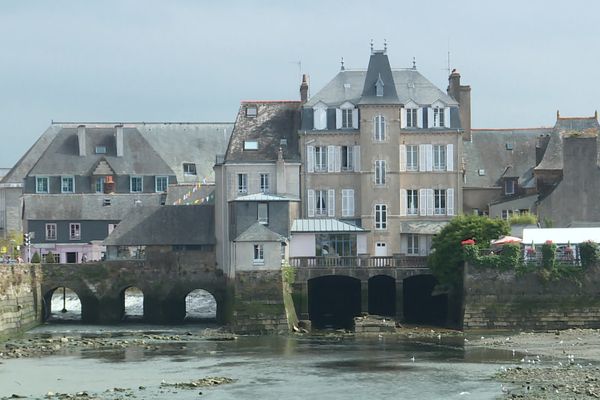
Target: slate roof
(165,225)
(379,71)
(323,225)
(257,232)
(488,151)
(89,206)
(274,121)
(190,194)
(410,85)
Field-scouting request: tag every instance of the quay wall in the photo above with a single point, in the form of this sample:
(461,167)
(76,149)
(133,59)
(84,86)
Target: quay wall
(20,298)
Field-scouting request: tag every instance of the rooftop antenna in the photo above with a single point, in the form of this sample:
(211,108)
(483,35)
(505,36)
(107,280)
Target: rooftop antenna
(342,62)
(371,46)
(384,45)
(414,63)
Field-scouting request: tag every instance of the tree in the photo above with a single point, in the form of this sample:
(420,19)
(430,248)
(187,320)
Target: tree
(35,259)
(447,257)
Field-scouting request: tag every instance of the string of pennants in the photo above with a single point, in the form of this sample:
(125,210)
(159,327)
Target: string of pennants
(186,199)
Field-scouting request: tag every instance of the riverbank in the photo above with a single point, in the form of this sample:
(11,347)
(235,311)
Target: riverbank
(554,365)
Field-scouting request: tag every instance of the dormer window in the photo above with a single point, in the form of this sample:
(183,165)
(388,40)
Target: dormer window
(250,145)
(347,116)
(438,115)
(320,116)
(251,111)
(509,186)
(411,115)
(189,169)
(100,149)
(379,86)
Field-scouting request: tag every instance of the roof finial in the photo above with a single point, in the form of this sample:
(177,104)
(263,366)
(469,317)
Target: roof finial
(342,62)
(557,114)
(414,63)
(371,46)
(384,45)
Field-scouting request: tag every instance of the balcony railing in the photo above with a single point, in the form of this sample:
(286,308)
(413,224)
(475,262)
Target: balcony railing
(359,261)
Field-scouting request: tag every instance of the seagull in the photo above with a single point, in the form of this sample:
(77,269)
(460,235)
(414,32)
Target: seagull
(439,336)
(412,359)
(463,393)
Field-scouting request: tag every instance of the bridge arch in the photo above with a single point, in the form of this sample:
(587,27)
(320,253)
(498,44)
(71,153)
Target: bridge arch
(382,295)
(334,301)
(62,303)
(132,303)
(421,304)
(200,305)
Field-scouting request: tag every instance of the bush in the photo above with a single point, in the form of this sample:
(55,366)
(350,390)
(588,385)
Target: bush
(588,251)
(548,255)
(35,258)
(50,258)
(523,219)
(508,258)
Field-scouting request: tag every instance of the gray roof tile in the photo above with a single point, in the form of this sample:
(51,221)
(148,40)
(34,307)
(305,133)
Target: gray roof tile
(257,232)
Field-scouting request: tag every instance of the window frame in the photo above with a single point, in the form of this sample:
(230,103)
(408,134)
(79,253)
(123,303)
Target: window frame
(439,117)
(411,118)
(67,178)
(347,118)
(440,161)
(242,183)
(99,184)
(156,185)
(380,172)
(412,198)
(380,217)
(379,133)
(74,231)
(264,219)
(265,183)
(412,157)
(512,184)
(250,145)
(412,244)
(38,180)
(439,202)
(133,178)
(258,257)
(321,197)
(320,159)
(189,169)
(347,158)
(51,227)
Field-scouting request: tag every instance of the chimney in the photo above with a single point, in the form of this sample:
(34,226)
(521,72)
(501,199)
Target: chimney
(81,139)
(304,89)
(119,140)
(462,94)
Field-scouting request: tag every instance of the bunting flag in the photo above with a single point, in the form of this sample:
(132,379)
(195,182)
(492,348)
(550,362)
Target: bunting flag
(189,194)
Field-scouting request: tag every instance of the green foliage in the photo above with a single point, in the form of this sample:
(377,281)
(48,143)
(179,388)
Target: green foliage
(548,223)
(50,258)
(288,272)
(508,258)
(523,219)
(35,258)
(448,256)
(588,251)
(549,255)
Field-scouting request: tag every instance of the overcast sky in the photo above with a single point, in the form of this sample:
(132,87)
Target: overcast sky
(184,60)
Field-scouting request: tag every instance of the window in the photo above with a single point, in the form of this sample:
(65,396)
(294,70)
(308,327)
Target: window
(135,184)
(347,118)
(50,231)
(347,158)
(264,183)
(263,213)
(321,202)
(379,128)
(439,201)
(189,169)
(74,231)
(439,157)
(242,183)
(259,255)
(99,185)
(347,202)
(250,145)
(100,149)
(161,183)
(411,117)
(67,184)
(412,244)
(41,184)
(320,159)
(380,216)
(412,202)
(506,214)
(320,116)
(251,111)
(438,117)
(509,186)
(380,172)
(412,157)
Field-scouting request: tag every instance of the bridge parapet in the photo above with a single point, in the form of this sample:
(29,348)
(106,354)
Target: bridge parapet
(359,262)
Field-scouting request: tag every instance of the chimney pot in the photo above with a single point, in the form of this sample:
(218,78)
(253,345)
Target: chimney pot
(304,89)
(119,140)
(81,139)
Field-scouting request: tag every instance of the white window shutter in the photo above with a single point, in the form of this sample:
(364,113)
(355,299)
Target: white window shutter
(449,157)
(422,245)
(311,203)
(338,159)
(429,155)
(423,202)
(355,118)
(447,117)
(450,201)
(338,118)
(403,118)
(402,165)
(429,117)
(356,158)
(331,202)
(420,117)
(429,201)
(344,202)
(422,157)
(330,158)
(403,202)
(350,203)
(310,158)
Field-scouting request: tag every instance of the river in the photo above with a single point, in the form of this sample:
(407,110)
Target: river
(263,367)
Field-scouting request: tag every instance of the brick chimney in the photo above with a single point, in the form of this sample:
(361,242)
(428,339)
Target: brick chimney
(81,139)
(119,140)
(462,94)
(304,89)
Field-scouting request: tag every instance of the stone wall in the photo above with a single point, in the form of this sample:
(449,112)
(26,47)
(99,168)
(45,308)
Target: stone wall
(259,304)
(503,300)
(20,298)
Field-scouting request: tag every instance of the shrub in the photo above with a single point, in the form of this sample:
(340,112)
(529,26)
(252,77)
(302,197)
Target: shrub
(523,219)
(35,258)
(548,255)
(588,251)
(50,258)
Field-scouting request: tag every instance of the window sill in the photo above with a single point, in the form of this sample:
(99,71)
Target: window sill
(255,262)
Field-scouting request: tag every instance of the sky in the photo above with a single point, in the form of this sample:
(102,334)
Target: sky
(195,60)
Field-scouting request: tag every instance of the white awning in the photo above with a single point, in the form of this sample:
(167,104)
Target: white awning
(561,235)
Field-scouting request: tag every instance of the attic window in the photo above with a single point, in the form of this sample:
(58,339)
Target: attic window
(189,169)
(481,172)
(100,149)
(251,111)
(379,86)
(250,145)
(509,146)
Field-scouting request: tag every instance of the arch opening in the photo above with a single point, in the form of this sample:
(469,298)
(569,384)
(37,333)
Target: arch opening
(200,305)
(334,301)
(421,304)
(133,304)
(62,304)
(382,296)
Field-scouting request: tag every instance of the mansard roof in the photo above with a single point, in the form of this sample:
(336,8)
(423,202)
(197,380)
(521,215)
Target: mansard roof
(274,126)
(148,226)
(379,74)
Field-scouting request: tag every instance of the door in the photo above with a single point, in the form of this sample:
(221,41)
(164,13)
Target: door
(380,249)
(71,257)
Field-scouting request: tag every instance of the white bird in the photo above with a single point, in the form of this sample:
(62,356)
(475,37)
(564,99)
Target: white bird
(463,393)
(504,389)
(412,359)
(439,336)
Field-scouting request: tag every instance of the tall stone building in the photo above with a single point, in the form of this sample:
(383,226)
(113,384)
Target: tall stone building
(380,149)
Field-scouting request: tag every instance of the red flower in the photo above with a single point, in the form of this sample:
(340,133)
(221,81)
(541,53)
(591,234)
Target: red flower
(548,241)
(468,242)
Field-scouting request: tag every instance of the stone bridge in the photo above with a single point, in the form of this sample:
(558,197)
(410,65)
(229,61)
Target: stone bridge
(165,285)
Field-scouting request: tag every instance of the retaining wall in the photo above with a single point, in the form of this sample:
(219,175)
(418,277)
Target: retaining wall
(20,298)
